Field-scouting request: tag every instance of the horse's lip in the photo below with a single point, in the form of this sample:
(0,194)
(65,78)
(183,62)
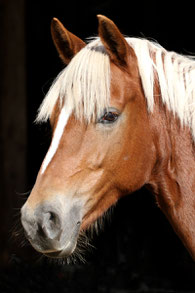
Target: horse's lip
(62,253)
(55,254)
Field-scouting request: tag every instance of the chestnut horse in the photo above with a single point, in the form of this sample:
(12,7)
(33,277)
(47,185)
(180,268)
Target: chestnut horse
(122,114)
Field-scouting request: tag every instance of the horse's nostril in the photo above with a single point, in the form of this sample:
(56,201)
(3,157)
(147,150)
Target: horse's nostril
(78,223)
(49,225)
(52,216)
(42,231)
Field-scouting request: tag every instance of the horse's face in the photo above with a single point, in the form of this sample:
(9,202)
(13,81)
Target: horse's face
(92,166)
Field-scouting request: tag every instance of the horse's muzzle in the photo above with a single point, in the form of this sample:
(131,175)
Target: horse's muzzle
(52,227)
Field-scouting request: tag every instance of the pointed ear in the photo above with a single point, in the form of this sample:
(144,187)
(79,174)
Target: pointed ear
(67,44)
(114,42)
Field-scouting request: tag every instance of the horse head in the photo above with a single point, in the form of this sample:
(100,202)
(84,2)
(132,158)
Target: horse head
(105,141)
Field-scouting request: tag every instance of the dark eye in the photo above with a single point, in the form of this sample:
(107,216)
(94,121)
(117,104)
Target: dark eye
(109,117)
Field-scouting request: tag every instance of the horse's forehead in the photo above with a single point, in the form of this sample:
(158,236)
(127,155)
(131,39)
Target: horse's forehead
(121,85)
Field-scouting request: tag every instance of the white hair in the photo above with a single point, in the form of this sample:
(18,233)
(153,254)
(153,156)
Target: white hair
(84,85)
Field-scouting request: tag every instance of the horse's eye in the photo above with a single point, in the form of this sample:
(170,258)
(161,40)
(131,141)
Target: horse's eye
(109,117)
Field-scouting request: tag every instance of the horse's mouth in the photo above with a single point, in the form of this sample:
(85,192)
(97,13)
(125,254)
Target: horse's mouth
(56,254)
(55,248)
(62,253)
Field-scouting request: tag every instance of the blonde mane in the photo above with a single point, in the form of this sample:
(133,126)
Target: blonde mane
(84,85)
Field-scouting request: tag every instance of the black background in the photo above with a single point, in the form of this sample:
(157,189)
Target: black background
(137,250)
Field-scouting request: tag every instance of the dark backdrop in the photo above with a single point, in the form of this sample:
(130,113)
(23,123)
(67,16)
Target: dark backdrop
(137,248)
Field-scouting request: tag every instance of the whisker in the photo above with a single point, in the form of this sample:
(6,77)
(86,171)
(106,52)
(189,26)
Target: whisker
(23,193)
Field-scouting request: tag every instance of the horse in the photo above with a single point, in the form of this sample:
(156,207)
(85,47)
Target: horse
(122,117)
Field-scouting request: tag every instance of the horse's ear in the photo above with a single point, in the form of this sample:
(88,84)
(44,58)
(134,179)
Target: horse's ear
(113,40)
(67,44)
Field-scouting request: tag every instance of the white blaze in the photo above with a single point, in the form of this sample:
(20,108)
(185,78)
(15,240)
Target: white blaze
(62,121)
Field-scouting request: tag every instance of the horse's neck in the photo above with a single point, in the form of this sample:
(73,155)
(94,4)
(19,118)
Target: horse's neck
(173,177)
